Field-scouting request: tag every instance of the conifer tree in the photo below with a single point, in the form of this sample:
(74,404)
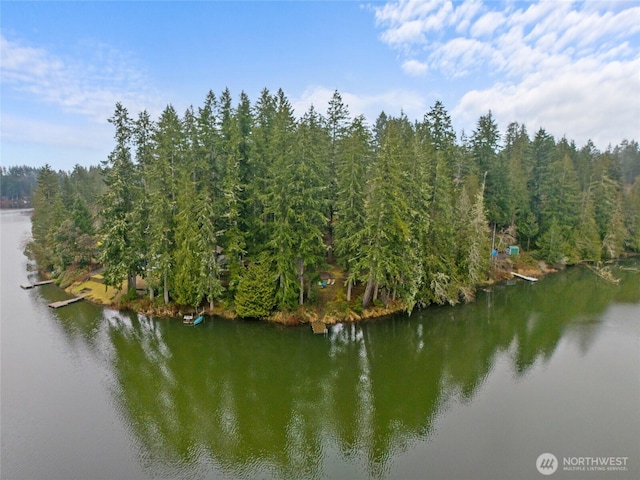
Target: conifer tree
(279,206)
(143,142)
(440,278)
(295,199)
(121,242)
(187,283)
(162,186)
(517,155)
(255,296)
(337,124)
(484,142)
(632,215)
(233,239)
(46,217)
(386,253)
(260,165)
(587,237)
(349,214)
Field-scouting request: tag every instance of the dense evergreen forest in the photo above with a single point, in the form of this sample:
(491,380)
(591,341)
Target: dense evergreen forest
(17,185)
(247,205)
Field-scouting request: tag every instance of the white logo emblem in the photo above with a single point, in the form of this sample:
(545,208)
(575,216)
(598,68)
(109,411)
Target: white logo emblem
(547,464)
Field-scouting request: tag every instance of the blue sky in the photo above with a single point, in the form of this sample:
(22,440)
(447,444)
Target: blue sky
(570,67)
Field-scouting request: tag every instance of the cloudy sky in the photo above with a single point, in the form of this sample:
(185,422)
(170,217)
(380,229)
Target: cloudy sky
(572,68)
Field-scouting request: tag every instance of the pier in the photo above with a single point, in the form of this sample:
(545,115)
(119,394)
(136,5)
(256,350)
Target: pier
(27,286)
(64,303)
(530,279)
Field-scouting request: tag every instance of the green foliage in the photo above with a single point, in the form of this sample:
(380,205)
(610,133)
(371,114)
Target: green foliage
(17,185)
(553,246)
(632,215)
(121,241)
(403,207)
(255,295)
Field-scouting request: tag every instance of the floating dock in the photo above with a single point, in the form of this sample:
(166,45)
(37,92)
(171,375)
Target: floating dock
(530,279)
(64,303)
(319,327)
(27,286)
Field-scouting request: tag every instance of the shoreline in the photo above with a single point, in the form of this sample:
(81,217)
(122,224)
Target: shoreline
(97,293)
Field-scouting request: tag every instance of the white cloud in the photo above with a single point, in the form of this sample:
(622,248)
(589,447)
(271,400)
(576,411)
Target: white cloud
(89,87)
(487,24)
(464,14)
(581,102)
(570,67)
(459,56)
(415,67)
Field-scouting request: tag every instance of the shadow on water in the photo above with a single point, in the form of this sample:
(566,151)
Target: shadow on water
(247,399)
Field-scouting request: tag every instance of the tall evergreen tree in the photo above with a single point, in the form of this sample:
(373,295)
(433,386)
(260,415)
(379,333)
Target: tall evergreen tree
(233,239)
(121,241)
(260,165)
(279,205)
(517,155)
(587,237)
(485,143)
(294,201)
(337,124)
(349,214)
(543,155)
(47,215)
(387,257)
(162,187)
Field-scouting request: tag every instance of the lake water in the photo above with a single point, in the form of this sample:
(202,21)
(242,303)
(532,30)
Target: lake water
(468,392)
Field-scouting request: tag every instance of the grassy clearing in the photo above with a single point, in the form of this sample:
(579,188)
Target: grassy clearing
(95,291)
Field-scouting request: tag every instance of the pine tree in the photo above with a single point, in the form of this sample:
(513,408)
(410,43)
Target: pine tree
(260,165)
(121,242)
(308,196)
(349,214)
(388,259)
(440,282)
(543,154)
(255,296)
(632,215)
(187,287)
(46,217)
(587,237)
(553,247)
(231,150)
(142,139)
(484,142)
(517,154)
(337,124)
(162,187)
(294,200)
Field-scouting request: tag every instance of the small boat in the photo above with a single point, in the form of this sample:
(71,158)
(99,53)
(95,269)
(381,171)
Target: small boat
(198,320)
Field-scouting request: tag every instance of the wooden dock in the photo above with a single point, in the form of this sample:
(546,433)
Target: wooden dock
(530,279)
(64,303)
(319,327)
(27,286)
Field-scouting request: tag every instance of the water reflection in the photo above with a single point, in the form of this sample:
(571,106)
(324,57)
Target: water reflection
(249,399)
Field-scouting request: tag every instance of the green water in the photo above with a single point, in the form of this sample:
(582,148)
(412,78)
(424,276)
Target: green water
(476,391)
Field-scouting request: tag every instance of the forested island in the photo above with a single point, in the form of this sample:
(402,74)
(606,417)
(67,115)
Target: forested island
(244,208)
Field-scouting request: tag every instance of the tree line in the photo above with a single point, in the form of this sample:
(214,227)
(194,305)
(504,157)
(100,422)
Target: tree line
(17,184)
(246,204)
